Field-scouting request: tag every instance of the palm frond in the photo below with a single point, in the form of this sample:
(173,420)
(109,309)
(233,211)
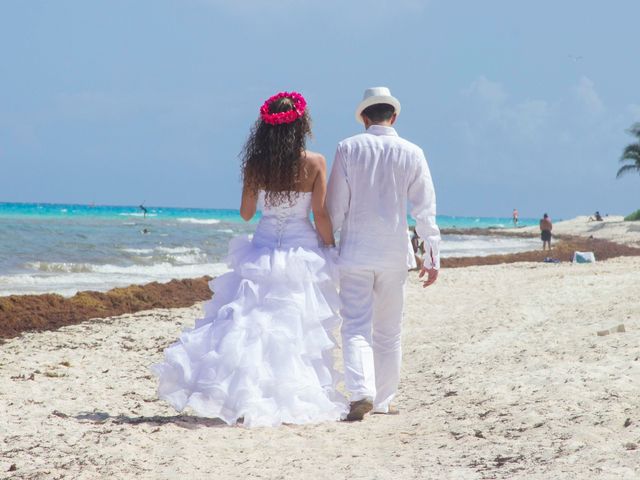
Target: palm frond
(635,129)
(631,152)
(627,169)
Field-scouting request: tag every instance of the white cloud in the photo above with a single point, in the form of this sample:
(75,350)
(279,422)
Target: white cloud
(487,91)
(585,92)
(494,111)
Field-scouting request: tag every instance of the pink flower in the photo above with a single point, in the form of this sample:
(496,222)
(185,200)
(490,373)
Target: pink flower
(299,107)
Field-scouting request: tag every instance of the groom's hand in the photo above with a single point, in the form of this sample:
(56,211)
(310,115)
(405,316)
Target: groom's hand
(432,276)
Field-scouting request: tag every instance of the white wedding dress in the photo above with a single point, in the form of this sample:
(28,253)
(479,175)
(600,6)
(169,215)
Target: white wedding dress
(263,351)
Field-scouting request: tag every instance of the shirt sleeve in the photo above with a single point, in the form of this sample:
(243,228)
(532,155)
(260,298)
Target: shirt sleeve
(338,192)
(422,199)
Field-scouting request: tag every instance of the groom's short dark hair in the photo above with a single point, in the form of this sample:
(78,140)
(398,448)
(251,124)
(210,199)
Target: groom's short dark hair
(379,112)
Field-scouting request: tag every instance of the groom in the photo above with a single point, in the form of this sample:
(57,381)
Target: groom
(375,175)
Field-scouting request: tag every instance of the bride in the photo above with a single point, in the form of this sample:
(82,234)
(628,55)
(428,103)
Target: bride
(262,354)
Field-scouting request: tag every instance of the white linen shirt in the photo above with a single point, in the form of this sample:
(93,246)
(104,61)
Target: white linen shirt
(374,176)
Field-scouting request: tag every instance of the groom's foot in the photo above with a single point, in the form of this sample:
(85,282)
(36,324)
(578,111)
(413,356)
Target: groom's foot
(359,409)
(391,410)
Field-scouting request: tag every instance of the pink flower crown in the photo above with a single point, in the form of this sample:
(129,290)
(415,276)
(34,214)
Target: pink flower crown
(299,106)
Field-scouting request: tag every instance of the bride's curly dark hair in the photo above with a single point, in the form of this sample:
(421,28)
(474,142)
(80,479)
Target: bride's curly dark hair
(271,156)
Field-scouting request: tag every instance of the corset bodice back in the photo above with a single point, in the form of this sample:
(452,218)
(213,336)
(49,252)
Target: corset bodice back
(299,207)
(288,224)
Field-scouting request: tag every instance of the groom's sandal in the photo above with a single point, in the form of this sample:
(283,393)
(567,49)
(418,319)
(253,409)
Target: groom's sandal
(359,409)
(392,410)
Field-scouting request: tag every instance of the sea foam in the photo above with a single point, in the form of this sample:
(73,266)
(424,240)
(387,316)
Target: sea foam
(199,221)
(484,245)
(67,279)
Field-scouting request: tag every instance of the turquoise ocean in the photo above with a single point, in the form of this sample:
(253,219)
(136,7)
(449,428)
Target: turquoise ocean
(63,249)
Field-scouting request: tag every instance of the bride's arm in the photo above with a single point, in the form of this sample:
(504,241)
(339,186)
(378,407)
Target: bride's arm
(249,203)
(318,204)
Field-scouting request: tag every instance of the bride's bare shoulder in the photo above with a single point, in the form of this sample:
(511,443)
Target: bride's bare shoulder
(314,160)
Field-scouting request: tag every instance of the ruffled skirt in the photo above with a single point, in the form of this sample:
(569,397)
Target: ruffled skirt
(263,351)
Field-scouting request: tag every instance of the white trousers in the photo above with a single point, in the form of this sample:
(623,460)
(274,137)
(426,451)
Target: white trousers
(372,305)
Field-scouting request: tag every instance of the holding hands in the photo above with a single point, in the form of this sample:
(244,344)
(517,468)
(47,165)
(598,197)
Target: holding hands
(432,276)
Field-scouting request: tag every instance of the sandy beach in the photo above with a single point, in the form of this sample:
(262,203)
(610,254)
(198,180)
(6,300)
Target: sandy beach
(514,371)
(164,158)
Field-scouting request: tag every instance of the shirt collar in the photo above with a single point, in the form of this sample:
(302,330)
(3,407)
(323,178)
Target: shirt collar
(382,130)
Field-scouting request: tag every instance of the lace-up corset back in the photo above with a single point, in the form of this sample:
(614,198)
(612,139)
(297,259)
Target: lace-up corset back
(286,225)
(299,207)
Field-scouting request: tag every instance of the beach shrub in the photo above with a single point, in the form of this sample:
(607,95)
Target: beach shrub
(633,216)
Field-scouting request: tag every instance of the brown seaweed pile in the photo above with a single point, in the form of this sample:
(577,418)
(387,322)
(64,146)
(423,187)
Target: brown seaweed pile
(19,313)
(563,248)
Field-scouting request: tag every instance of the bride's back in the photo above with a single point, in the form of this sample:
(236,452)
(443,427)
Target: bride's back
(286,225)
(298,199)
(290,179)
(299,206)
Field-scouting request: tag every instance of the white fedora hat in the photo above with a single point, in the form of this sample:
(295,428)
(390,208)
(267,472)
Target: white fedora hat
(376,95)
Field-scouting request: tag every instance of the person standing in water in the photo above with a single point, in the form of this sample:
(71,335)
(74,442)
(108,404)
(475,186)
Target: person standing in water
(144,210)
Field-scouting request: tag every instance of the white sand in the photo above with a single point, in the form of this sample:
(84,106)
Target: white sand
(504,377)
(612,228)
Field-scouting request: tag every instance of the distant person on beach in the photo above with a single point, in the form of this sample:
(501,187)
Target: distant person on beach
(375,176)
(545,231)
(514,217)
(596,217)
(263,353)
(418,248)
(144,211)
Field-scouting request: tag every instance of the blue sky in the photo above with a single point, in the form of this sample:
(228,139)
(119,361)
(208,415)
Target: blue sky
(516,104)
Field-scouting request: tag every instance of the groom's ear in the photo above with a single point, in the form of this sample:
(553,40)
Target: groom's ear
(392,120)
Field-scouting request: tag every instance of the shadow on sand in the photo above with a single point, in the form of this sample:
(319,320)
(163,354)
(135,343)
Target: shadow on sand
(184,421)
